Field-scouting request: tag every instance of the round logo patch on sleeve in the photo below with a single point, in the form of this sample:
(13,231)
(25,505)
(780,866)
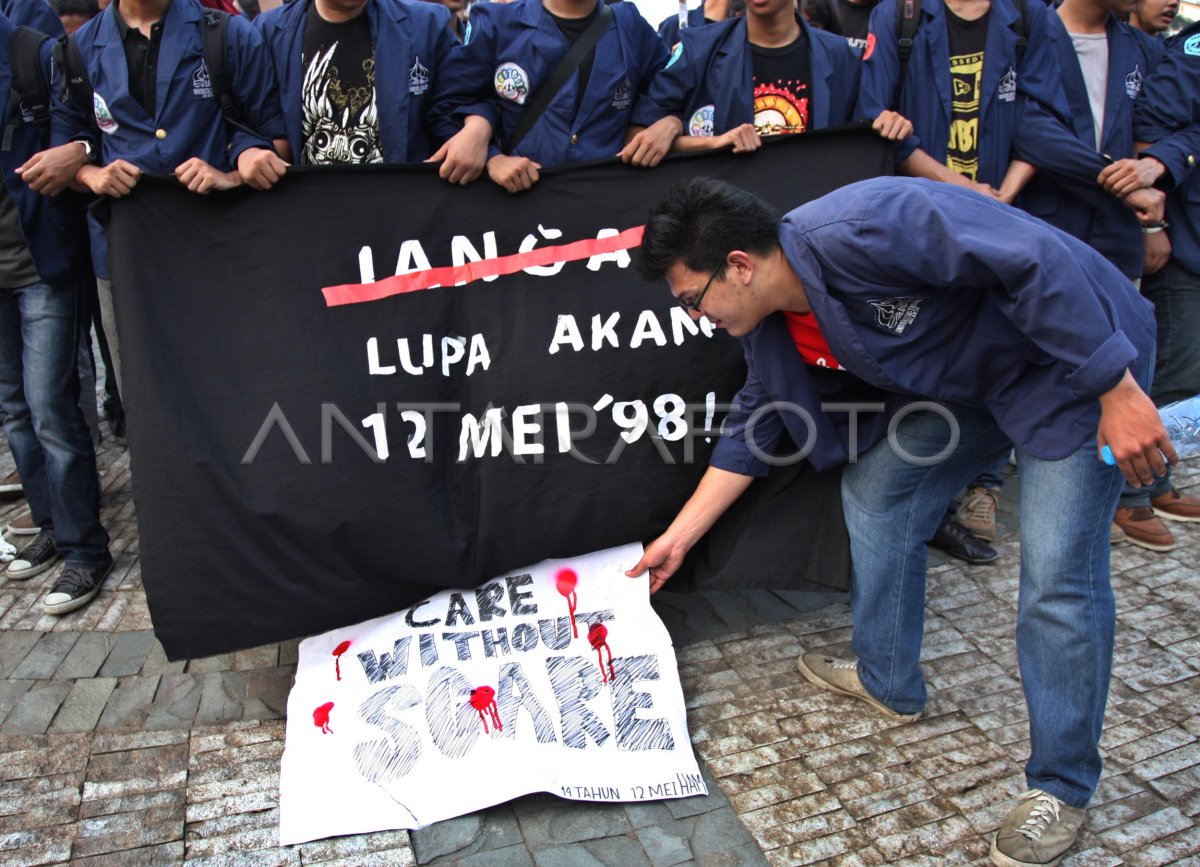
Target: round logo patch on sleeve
(870,47)
(701,123)
(1192,46)
(512,83)
(676,53)
(104,118)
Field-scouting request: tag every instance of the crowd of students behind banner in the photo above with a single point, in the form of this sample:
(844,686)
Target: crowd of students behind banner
(1083,114)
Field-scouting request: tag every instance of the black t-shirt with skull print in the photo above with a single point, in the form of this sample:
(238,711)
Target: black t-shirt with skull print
(341,121)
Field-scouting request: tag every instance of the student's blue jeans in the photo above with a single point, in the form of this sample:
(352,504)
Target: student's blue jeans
(1065,613)
(39,391)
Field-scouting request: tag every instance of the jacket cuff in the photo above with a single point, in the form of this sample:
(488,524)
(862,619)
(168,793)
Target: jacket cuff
(1103,368)
(732,455)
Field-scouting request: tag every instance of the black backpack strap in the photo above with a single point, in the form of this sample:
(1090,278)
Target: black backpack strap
(77,85)
(570,62)
(213,38)
(29,82)
(1022,30)
(908,19)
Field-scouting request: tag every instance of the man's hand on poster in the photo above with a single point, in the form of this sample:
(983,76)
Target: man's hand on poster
(1158,251)
(1147,203)
(200,177)
(464,154)
(513,173)
(51,171)
(1132,429)
(893,126)
(261,168)
(116,179)
(662,557)
(1124,176)
(646,146)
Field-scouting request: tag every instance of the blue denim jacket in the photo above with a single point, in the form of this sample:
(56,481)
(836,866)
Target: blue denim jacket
(984,306)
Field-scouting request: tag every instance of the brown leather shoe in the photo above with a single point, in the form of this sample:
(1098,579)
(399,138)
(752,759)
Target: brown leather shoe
(1145,529)
(1175,506)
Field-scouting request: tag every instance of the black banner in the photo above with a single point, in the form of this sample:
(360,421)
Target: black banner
(542,408)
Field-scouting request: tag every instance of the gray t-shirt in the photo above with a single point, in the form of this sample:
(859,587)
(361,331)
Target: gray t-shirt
(16,264)
(1092,49)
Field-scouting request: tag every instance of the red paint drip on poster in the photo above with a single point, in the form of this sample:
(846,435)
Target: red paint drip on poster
(483,699)
(565,581)
(321,718)
(337,657)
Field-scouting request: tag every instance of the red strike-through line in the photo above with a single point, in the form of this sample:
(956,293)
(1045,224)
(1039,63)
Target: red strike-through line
(357,293)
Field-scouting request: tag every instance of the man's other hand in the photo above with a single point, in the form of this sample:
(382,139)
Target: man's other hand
(1148,204)
(662,557)
(513,173)
(892,126)
(51,171)
(464,154)
(260,168)
(1158,252)
(1125,176)
(116,179)
(647,147)
(1133,430)
(200,177)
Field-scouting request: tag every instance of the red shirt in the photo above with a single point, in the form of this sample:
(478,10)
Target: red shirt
(809,340)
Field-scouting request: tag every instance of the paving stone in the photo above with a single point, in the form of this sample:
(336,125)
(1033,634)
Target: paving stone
(571,822)
(14,646)
(11,692)
(222,697)
(146,856)
(83,705)
(36,708)
(128,654)
(43,846)
(112,775)
(129,703)
(382,848)
(513,856)
(157,662)
(45,656)
(87,655)
(665,845)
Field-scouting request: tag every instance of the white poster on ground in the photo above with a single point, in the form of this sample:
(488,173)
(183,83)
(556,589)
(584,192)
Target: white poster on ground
(557,678)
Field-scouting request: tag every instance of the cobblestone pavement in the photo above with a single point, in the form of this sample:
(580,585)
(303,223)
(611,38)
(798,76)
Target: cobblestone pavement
(110,754)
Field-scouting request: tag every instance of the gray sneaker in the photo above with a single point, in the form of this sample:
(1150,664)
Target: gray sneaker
(1037,833)
(978,512)
(34,559)
(841,676)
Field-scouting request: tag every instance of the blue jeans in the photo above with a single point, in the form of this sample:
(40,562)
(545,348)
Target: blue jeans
(39,391)
(1175,293)
(1065,615)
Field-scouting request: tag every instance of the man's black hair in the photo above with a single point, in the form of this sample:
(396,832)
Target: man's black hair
(89,8)
(699,221)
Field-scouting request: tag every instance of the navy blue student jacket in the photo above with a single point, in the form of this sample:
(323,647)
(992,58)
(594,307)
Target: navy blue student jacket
(668,30)
(187,121)
(412,40)
(1064,193)
(926,99)
(54,232)
(708,81)
(984,306)
(508,52)
(1168,114)
(33,13)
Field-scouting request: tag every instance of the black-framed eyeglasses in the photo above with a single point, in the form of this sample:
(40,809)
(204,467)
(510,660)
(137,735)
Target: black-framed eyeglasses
(694,303)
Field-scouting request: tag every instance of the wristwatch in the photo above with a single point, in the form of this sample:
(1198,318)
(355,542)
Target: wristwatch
(89,149)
